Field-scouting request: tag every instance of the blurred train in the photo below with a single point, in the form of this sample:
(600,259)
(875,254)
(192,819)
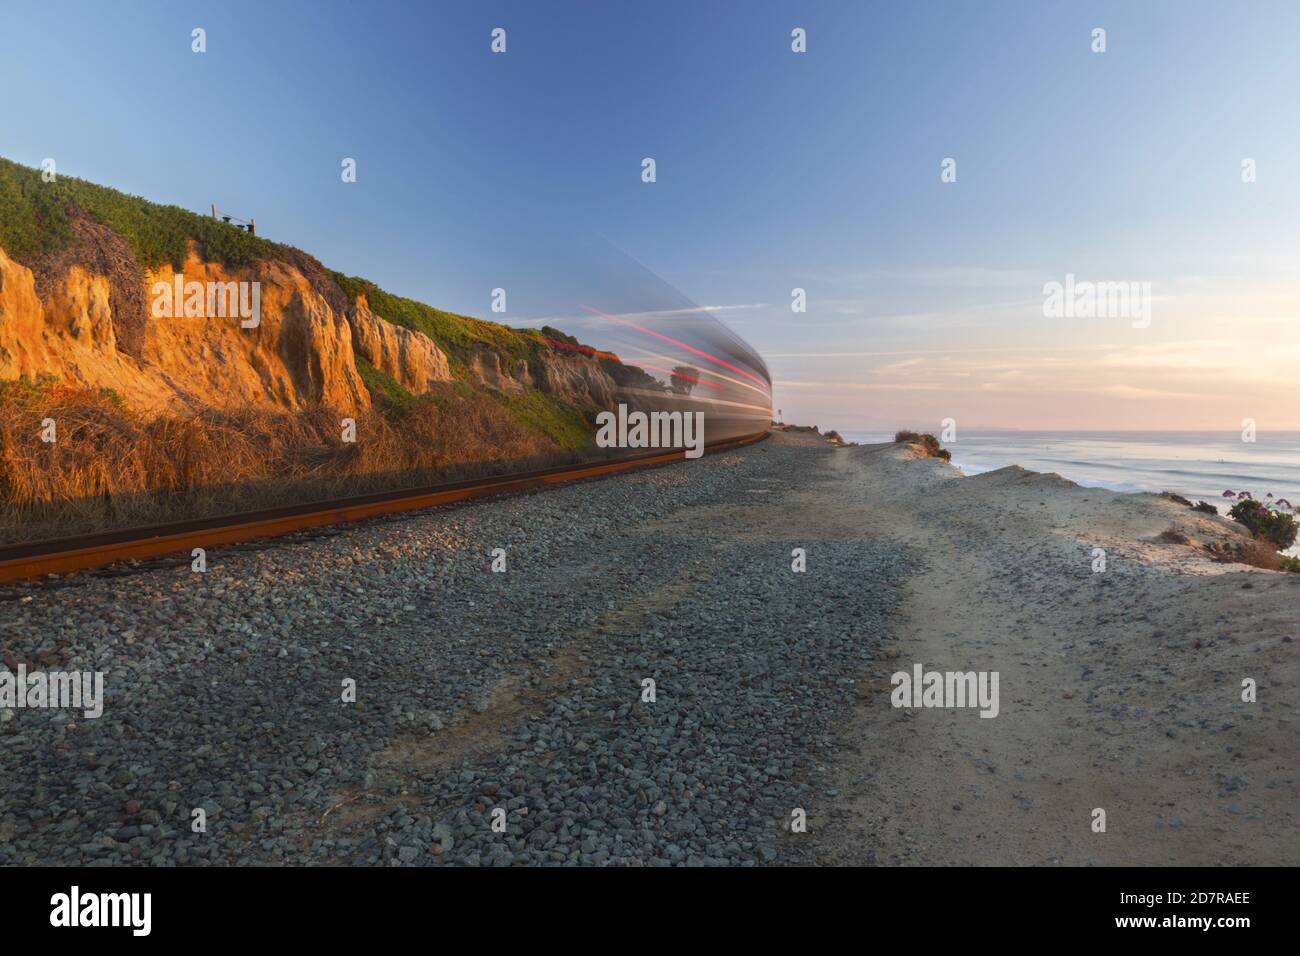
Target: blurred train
(663,351)
(683,363)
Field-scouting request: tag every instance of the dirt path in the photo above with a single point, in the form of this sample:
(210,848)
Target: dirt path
(1119,689)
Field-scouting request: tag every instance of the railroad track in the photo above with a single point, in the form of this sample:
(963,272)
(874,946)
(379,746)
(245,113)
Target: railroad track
(84,552)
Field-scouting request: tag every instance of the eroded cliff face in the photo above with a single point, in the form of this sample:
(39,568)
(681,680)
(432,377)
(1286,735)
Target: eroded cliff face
(411,358)
(301,352)
(487,368)
(416,362)
(298,354)
(580,380)
(70,335)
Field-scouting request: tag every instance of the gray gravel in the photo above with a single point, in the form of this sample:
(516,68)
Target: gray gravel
(476,691)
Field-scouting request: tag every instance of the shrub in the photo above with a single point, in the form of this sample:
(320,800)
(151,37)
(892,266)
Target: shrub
(927,441)
(1202,506)
(1252,551)
(1276,527)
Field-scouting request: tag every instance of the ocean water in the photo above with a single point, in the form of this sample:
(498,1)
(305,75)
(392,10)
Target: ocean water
(1196,465)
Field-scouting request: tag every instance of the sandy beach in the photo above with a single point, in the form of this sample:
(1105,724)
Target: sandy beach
(1121,689)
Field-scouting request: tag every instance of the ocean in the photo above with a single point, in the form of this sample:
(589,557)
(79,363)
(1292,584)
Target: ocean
(1196,465)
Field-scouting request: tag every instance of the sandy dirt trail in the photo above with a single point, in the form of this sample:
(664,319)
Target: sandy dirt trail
(1119,689)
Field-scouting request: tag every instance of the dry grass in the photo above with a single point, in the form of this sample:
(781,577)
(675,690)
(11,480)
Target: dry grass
(111,468)
(1253,551)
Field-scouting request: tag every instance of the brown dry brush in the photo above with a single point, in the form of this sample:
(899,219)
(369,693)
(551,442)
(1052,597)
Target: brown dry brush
(111,467)
(1253,551)
(928,444)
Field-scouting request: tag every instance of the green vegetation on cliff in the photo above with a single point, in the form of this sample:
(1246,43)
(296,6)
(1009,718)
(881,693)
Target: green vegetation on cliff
(34,221)
(385,391)
(562,422)
(457,335)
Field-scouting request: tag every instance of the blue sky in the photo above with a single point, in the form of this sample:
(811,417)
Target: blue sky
(775,170)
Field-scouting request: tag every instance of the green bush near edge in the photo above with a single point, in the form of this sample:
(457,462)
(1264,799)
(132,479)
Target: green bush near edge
(1275,527)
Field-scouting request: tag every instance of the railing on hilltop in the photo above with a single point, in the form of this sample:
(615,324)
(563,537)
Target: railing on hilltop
(248,225)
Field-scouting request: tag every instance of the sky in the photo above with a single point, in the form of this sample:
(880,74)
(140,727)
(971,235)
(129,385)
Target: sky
(775,171)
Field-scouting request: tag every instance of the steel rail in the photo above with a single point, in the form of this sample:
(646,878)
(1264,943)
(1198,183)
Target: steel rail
(84,552)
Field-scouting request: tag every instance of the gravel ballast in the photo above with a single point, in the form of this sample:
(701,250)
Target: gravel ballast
(499,719)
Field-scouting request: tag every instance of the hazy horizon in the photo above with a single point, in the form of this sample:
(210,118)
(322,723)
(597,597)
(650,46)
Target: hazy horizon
(818,171)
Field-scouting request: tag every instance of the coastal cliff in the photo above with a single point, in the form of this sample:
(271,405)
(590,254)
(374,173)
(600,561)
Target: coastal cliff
(83,269)
(175,352)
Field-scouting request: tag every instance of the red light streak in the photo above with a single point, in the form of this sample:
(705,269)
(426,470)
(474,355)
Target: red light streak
(666,338)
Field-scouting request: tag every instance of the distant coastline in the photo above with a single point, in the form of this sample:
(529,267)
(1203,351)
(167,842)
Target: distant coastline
(1198,465)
